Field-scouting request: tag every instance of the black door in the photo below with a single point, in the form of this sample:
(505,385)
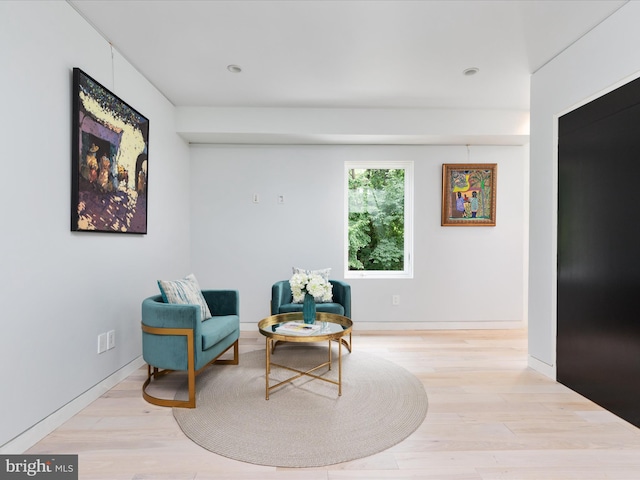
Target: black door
(598,343)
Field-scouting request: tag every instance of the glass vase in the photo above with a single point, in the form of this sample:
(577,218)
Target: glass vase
(309,309)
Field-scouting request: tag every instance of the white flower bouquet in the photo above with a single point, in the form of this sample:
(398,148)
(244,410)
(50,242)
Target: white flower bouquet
(314,284)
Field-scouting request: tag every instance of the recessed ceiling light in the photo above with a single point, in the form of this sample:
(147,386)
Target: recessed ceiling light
(470,71)
(234,68)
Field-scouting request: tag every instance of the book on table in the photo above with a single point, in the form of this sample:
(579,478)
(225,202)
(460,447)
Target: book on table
(298,328)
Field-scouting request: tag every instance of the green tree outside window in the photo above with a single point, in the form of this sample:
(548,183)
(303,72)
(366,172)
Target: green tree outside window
(376,219)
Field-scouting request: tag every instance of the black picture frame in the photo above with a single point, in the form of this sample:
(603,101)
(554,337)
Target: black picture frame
(109,161)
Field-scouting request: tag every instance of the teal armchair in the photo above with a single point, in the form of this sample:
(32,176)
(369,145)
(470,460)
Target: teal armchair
(282,301)
(174,338)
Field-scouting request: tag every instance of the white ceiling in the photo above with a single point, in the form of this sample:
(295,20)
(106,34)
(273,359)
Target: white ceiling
(343,53)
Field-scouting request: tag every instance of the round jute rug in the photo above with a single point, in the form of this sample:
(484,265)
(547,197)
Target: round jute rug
(304,423)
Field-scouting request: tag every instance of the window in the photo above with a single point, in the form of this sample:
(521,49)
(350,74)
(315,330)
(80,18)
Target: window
(379,219)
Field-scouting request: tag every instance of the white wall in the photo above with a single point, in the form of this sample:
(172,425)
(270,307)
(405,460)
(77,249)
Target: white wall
(603,59)
(59,289)
(464,276)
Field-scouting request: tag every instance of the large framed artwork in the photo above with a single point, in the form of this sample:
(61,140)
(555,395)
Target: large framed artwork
(109,172)
(469,195)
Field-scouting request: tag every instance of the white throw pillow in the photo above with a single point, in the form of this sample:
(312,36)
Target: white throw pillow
(323,272)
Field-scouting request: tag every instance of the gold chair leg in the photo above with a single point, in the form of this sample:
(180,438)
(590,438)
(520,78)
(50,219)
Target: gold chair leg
(164,402)
(348,345)
(345,343)
(233,361)
(191,373)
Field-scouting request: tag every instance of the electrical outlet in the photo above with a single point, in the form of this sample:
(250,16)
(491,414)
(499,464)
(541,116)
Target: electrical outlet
(256,198)
(281,199)
(395,300)
(102,343)
(111,339)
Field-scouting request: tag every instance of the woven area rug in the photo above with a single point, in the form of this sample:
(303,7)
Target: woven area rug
(304,423)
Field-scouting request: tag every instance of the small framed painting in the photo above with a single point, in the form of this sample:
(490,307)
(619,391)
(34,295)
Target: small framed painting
(469,195)
(109,161)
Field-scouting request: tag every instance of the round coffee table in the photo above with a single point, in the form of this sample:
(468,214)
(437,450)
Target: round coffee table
(328,327)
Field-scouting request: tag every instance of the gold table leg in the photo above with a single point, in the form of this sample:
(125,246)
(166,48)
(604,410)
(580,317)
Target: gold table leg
(270,346)
(339,369)
(267,367)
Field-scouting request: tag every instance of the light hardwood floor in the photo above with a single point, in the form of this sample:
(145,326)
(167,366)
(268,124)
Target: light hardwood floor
(490,417)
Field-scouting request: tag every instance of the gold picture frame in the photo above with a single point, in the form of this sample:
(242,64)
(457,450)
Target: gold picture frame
(469,194)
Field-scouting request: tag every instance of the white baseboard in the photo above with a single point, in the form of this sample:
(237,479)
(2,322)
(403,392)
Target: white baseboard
(542,367)
(33,435)
(400,326)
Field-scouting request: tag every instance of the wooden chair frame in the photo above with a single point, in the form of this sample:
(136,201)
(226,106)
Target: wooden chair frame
(155,373)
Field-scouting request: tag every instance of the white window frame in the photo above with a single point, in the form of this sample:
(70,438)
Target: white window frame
(407,166)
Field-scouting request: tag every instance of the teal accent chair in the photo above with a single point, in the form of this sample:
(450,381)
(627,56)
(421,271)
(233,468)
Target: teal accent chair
(174,338)
(282,301)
